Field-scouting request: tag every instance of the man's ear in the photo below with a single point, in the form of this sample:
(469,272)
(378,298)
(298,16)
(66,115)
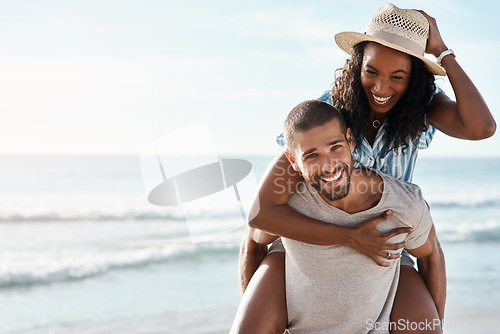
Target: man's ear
(348,137)
(292,160)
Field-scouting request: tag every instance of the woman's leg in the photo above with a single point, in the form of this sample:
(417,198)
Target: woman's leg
(263,305)
(413,310)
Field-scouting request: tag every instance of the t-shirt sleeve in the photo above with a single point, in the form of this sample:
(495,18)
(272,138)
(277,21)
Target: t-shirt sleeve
(326,97)
(281,140)
(421,229)
(426,137)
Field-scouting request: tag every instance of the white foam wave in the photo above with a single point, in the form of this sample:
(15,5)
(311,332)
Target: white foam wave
(470,230)
(464,201)
(69,214)
(30,269)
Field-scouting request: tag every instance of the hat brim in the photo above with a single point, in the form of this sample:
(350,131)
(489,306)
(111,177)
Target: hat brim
(348,39)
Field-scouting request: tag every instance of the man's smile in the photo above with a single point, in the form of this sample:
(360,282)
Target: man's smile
(332,178)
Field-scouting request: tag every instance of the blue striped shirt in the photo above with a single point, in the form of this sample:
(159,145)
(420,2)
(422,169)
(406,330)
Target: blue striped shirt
(377,156)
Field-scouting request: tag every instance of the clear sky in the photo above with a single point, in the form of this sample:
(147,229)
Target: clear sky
(109,77)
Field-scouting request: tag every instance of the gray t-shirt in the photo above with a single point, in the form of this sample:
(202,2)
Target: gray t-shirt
(334,289)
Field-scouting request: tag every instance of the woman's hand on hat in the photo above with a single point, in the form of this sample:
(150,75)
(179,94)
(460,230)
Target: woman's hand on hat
(435,43)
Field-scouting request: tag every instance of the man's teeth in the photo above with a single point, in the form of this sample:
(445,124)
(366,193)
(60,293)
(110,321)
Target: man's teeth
(333,178)
(381,100)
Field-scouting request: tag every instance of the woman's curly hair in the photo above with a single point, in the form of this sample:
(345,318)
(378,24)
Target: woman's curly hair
(405,120)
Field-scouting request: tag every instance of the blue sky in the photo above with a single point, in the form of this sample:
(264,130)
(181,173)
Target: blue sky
(109,77)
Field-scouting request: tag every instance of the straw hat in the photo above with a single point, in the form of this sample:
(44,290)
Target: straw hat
(405,30)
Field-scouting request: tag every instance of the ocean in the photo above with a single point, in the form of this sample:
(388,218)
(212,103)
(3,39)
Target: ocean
(83,251)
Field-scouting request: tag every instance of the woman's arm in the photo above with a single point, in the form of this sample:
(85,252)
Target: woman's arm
(468,117)
(272,215)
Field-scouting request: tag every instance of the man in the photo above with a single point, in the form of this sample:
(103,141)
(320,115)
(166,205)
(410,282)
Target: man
(334,289)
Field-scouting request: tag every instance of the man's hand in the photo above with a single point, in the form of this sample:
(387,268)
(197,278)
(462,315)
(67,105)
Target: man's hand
(367,240)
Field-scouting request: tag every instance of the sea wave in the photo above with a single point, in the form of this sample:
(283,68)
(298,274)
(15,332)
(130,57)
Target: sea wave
(464,203)
(46,263)
(471,236)
(469,231)
(77,265)
(217,211)
(103,215)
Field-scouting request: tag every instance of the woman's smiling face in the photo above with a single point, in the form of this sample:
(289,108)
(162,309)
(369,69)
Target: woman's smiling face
(385,76)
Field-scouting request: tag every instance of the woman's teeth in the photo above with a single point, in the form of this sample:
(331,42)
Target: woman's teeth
(381,100)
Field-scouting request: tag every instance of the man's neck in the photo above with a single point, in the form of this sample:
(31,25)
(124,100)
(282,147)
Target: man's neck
(365,192)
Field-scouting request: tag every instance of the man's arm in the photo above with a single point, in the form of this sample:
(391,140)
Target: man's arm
(431,265)
(252,252)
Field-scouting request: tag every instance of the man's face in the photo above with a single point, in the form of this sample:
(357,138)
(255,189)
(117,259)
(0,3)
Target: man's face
(323,156)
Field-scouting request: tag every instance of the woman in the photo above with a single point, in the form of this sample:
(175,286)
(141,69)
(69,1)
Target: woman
(387,95)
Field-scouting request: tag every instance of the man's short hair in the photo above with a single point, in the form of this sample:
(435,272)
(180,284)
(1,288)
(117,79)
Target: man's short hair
(307,115)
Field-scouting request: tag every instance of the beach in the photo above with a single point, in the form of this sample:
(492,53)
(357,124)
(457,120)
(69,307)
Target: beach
(82,250)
